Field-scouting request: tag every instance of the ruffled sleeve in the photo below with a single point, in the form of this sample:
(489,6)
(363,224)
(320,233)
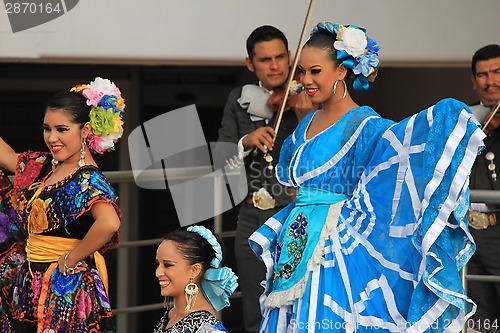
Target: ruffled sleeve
(88,187)
(366,143)
(32,166)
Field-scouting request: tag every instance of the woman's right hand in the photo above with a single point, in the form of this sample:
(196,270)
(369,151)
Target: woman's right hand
(8,157)
(68,267)
(303,105)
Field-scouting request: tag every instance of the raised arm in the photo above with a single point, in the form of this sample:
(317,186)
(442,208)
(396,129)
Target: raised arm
(8,157)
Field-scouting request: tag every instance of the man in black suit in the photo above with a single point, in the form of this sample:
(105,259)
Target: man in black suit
(484,219)
(248,121)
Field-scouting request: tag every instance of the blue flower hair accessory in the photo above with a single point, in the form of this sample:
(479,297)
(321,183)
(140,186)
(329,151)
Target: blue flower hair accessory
(355,49)
(218,282)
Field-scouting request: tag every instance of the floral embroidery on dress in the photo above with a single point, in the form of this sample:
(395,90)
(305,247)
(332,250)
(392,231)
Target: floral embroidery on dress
(297,240)
(298,227)
(37,218)
(30,170)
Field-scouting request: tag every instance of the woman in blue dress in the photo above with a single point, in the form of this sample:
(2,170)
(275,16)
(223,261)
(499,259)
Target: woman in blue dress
(377,234)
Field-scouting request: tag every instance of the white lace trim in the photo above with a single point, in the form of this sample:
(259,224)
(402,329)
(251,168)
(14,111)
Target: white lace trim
(287,297)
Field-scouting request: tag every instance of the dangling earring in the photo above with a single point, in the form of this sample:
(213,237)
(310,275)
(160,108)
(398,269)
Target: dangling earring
(191,291)
(54,163)
(335,90)
(490,157)
(168,303)
(81,162)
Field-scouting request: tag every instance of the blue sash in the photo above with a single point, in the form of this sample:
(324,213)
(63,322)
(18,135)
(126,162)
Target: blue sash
(314,196)
(300,235)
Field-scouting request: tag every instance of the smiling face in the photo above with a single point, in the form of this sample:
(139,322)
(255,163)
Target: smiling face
(62,136)
(270,63)
(173,270)
(318,74)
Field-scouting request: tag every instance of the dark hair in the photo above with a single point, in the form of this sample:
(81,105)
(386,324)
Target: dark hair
(194,248)
(485,53)
(324,40)
(264,33)
(73,103)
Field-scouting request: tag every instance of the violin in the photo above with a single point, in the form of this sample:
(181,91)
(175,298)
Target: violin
(491,122)
(277,97)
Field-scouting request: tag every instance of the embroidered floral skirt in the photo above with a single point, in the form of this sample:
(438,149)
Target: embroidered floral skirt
(40,299)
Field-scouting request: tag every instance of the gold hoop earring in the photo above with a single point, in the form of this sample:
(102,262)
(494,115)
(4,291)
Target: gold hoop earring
(81,162)
(191,291)
(335,90)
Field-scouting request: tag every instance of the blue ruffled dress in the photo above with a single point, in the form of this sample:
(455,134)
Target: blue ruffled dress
(378,233)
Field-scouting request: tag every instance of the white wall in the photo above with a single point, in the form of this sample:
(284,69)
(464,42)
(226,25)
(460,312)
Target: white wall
(214,31)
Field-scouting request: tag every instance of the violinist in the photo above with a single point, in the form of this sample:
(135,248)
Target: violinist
(248,120)
(484,219)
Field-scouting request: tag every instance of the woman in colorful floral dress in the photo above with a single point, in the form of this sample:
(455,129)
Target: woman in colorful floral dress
(59,216)
(378,233)
(190,275)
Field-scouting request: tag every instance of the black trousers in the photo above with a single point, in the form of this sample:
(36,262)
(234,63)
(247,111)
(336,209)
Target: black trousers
(485,261)
(251,271)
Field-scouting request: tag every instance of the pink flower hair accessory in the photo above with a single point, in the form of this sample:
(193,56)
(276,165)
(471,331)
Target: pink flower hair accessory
(106,113)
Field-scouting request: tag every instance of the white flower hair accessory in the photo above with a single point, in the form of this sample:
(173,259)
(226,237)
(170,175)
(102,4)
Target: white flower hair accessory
(355,49)
(106,113)
(218,282)
(353,41)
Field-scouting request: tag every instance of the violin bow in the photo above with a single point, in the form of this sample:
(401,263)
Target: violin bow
(291,74)
(492,115)
(294,67)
